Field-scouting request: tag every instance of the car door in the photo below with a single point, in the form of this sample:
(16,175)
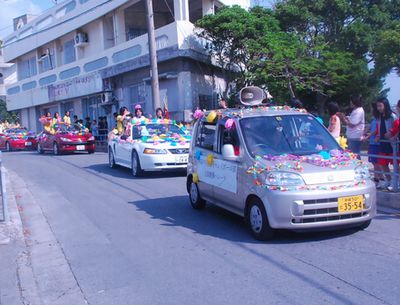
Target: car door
(204,153)
(227,172)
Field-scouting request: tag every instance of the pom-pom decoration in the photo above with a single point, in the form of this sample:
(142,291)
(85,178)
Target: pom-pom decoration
(211,117)
(210,159)
(343,142)
(229,124)
(195,178)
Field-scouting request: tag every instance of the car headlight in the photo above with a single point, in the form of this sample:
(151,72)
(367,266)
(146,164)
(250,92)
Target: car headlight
(65,139)
(91,138)
(154,151)
(362,173)
(283,179)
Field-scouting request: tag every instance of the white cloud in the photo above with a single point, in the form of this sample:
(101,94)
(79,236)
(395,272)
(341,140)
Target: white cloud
(14,8)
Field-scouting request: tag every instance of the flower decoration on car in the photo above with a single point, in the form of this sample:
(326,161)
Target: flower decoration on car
(295,163)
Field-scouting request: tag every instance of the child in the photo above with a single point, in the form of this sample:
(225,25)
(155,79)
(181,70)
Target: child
(334,121)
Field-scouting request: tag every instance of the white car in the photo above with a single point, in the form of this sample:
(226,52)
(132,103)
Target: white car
(150,145)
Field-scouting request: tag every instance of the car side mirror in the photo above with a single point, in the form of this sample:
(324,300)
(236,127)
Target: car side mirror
(228,153)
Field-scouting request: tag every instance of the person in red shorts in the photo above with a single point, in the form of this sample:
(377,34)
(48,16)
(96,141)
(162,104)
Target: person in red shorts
(395,133)
(384,124)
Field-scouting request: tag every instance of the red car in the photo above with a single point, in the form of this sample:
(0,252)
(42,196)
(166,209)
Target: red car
(17,139)
(66,139)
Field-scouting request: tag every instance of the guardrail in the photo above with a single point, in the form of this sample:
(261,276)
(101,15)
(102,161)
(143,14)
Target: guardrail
(3,202)
(395,160)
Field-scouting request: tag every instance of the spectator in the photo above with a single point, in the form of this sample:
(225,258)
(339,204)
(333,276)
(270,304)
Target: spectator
(355,124)
(222,104)
(373,147)
(384,123)
(334,121)
(395,131)
(88,123)
(95,129)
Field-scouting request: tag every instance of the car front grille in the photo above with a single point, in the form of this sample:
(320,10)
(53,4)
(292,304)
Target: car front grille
(179,151)
(323,210)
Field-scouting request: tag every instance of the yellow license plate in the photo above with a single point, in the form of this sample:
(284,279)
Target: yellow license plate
(349,204)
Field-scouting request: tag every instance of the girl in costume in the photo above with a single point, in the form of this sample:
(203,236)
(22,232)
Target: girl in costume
(121,118)
(159,114)
(67,118)
(139,112)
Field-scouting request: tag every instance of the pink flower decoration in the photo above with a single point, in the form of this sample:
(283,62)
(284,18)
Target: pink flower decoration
(229,123)
(198,114)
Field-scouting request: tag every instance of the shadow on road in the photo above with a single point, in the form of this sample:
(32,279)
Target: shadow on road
(217,222)
(123,172)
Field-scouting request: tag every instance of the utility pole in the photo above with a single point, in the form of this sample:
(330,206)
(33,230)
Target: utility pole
(155,88)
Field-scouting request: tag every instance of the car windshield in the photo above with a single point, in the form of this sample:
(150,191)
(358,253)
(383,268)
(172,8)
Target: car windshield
(149,130)
(286,134)
(69,129)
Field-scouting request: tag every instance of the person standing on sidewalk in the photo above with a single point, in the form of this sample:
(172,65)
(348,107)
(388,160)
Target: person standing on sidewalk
(373,147)
(384,124)
(355,124)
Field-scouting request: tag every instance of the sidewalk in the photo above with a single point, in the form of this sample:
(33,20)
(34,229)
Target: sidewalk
(388,199)
(17,283)
(33,267)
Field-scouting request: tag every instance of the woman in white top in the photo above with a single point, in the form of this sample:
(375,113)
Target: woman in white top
(355,124)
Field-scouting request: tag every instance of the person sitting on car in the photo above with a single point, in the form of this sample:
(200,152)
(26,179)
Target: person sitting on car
(123,115)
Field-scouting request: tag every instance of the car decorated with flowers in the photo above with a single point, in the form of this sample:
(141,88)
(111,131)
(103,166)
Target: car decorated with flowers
(278,167)
(66,139)
(150,145)
(17,139)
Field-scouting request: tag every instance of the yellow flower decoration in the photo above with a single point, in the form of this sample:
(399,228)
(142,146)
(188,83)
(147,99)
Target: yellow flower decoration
(195,178)
(343,142)
(210,159)
(211,117)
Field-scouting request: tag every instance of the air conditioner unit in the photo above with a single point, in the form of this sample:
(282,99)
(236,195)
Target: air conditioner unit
(81,39)
(107,97)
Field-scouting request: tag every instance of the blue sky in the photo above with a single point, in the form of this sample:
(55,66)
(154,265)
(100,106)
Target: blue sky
(14,8)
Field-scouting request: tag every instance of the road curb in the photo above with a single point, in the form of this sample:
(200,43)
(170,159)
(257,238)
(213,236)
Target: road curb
(388,200)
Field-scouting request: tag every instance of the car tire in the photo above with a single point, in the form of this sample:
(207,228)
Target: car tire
(196,201)
(91,151)
(8,146)
(258,221)
(111,159)
(39,149)
(365,225)
(136,168)
(56,149)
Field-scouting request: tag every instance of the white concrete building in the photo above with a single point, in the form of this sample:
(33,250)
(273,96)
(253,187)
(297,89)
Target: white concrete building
(7,76)
(91,57)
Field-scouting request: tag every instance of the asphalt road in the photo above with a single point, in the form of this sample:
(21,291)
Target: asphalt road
(138,241)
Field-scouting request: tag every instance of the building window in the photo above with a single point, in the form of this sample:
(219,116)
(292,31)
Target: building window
(69,52)
(135,17)
(46,61)
(138,96)
(27,68)
(195,10)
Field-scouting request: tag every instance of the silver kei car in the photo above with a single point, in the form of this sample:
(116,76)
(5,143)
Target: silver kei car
(279,168)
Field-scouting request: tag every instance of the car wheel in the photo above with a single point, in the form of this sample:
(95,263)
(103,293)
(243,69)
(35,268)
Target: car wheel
(56,150)
(258,221)
(136,168)
(91,151)
(8,146)
(365,225)
(111,160)
(39,149)
(196,201)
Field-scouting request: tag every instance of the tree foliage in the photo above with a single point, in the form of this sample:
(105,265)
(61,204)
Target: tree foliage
(318,49)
